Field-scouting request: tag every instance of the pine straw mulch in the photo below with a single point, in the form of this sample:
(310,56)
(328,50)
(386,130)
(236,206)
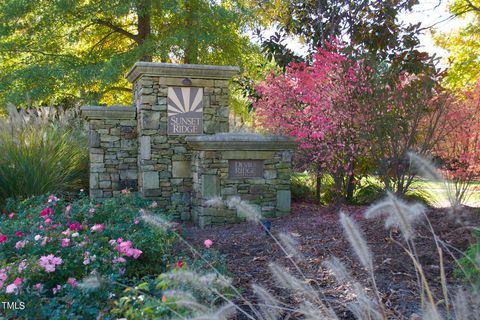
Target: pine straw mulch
(248,252)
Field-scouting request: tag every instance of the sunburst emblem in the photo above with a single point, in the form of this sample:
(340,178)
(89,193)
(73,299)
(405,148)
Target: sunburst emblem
(184,100)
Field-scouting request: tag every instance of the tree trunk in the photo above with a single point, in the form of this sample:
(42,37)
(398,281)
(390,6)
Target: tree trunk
(144,26)
(350,187)
(318,186)
(190,55)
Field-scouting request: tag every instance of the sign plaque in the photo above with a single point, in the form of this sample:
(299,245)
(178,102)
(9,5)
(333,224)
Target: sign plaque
(185,111)
(238,169)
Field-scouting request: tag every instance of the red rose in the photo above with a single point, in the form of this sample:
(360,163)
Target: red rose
(19,234)
(179,264)
(3,238)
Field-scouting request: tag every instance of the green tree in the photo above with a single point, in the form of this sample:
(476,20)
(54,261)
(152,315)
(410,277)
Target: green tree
(369,26)
(65,51)
(463,45)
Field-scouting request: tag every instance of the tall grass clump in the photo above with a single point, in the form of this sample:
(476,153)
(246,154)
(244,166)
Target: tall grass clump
(42,150)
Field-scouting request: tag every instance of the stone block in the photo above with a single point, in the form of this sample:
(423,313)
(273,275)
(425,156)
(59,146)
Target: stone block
(150,180)
(148,99)
(284,200)
(181,169)
(210,186)
(105,184)
(96,158)
(150,120)
(93,139)
(93,180)
(247,155)
(145,147)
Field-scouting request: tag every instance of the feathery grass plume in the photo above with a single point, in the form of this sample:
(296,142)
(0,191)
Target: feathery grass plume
(233,202)
(399,214)
(290,245)
(215,202)
(185,299)
(269,307)
(430,312)
(338,269)
(91,283)
(245,209)
(205,283)
(460,306)
(425,167)
(357,241)
(225,312)
(364,307)
(156,221)
(312,311)
(290,282)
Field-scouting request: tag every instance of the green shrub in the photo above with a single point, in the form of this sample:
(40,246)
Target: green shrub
(302,186)
(469,265)
(47,246)
(41,154)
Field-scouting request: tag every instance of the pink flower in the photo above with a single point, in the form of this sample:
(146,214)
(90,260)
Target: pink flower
(66,232)
(208,243)
(20,244)
(11,215)
(17,281)
(112,242)
(52,198)
(56,289)
(125,191)
(88,258)
(22,266)
(71,281)
(49,262)
(75,226)
(97,228)
(19,234)
(68,208)
(119,260)
(125,248)
(135,221)
(38,286)
(65,242)
(11,288)
(46,212)
(48,221)
(37,237)
(54,226)
(3,238)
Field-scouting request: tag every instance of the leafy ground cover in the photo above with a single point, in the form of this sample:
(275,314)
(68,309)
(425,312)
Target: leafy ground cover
(248,252)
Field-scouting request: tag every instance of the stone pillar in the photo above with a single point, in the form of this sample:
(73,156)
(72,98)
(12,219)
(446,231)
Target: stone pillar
(170,106)
(254,167)
(113,149)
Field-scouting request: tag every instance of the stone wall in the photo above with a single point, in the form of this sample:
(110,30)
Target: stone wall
(269,193)
(113,149)
(164,162)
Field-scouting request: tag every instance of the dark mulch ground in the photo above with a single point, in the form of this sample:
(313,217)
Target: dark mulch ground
(248,252)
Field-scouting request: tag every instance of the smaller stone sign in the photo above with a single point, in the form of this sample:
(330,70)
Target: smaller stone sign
(185,110)
(245,169)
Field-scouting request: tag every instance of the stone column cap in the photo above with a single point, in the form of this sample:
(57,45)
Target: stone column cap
(112,112)
(172,70)
(241,141)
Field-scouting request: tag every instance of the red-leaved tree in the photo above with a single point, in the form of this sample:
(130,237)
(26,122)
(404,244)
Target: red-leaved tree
(316,104)
(460,149)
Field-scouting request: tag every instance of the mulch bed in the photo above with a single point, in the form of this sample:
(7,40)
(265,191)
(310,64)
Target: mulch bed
(248,252)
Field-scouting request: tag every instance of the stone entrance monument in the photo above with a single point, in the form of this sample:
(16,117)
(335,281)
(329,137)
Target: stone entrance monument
(173,146)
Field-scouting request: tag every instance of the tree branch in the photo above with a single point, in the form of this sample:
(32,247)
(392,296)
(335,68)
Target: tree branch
(472,6)
(118,29)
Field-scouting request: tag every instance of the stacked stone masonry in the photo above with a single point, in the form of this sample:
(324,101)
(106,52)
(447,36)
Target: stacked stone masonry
(138,148)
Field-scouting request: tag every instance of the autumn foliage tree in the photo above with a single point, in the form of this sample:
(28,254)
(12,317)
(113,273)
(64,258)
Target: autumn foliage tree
(316,104)
(460,148)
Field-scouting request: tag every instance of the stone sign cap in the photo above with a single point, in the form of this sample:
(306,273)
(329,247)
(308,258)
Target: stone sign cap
(172,70)
(241,141)
(113,112)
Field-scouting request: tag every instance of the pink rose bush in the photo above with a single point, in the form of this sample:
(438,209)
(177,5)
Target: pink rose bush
(51,247)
